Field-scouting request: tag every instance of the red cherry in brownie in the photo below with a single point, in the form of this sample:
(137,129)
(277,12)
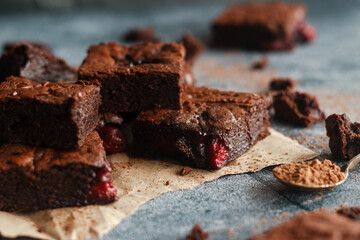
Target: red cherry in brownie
(306,32)
(218,153)
(103,190)
(114,139)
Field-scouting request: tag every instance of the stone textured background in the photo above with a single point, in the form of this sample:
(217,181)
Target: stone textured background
(233,206)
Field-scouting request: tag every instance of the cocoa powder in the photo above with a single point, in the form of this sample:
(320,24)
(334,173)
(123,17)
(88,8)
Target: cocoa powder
(311,173)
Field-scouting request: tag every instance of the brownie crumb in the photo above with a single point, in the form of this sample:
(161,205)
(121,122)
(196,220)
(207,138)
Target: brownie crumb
(193,46)
(167,183)
(186,170)
(344,136)
(349,212)
(311,173)
(261,63)
(144,34)
(197,233)
(282,84)
(298,108)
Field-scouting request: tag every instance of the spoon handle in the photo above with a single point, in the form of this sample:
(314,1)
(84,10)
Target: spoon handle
(353,162)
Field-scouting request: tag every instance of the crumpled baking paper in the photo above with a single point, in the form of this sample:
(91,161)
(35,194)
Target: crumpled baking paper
(139,181)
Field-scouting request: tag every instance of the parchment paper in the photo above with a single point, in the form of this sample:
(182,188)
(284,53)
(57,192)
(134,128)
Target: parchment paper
(139,181)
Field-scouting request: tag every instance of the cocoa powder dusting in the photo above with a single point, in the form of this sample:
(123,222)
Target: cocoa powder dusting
(311,173)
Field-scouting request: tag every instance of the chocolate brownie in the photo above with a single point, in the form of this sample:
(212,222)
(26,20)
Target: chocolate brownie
(263,26)
(298,108)
(29,61)
(34,178)
(137,78)
(282,84)
(144,34)
(8,46)
(59,115)
(344,136)
(213,128)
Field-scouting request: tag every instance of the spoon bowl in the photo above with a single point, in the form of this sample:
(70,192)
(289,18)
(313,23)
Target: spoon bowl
(308,188)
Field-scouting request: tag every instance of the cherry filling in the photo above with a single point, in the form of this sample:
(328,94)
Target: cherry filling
(114,139)
(305,32)
(103,191)
(218,153)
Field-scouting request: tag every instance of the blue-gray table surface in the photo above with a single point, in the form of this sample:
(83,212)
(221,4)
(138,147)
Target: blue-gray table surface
(234,206)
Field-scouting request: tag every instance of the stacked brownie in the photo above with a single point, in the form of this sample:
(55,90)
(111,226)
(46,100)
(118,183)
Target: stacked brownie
(50,155)
(202,127)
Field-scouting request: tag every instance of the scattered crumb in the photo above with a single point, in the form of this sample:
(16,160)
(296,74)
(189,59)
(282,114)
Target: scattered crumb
(261,63)
(197,233)
(185,171)
(167,183)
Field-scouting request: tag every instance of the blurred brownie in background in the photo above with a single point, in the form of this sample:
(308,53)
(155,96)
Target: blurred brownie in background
(141,34)
(43,46)
(262,26)
(33,62)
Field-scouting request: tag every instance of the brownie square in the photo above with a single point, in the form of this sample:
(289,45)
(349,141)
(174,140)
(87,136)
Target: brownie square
(344,136)
(36,63)
(263,26)
(137,78)
(59,115)
(213,128)
(34,178)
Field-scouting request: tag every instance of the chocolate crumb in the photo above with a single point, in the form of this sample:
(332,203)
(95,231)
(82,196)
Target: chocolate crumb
(167,183)
(311,173)
(186,170)
(141,34)
(282,84)
(261,63)
(197,233)
(349,212)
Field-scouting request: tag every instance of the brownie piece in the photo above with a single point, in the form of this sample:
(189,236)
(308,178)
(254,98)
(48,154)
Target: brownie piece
(213,128)
(298,108)
(34,178)
(8,46)
(193,46)
(137,78)
(282,84)
(59,115)
(262,26)
(344,136)
(29,61)
(141,35)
